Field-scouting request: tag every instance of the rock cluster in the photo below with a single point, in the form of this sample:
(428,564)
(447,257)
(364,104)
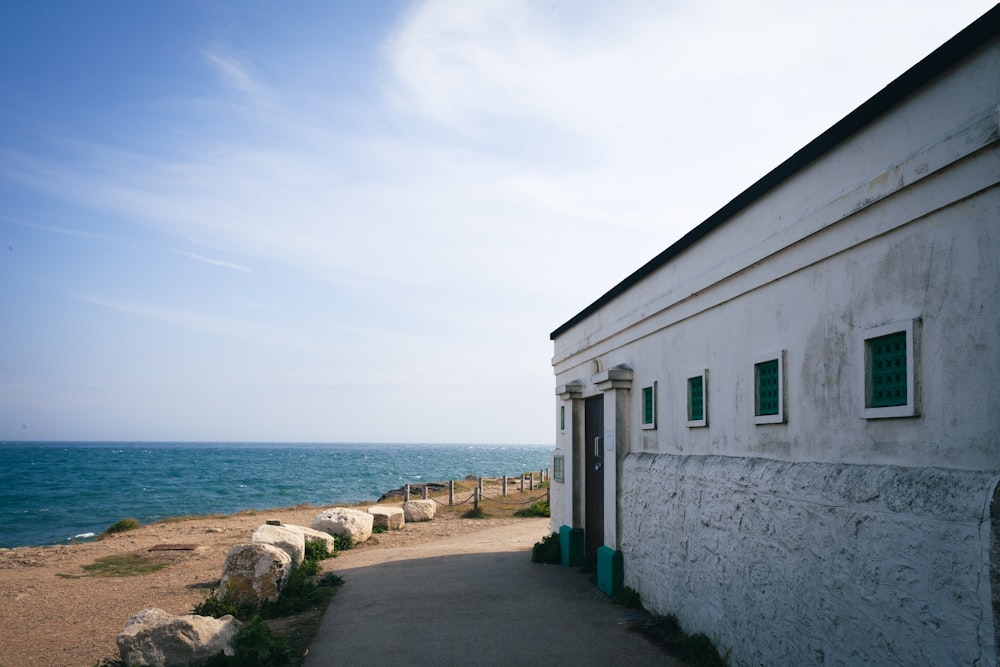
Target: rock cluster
(389,518)
(154,637)
(419,510)
(254,571)
(354,524)
(292,542)
(310,535)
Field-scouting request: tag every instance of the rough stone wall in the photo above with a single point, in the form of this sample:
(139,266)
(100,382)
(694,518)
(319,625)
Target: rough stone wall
(814,564)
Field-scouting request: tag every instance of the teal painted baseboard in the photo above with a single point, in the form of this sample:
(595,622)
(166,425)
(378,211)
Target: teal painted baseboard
(572,546)
(610,571)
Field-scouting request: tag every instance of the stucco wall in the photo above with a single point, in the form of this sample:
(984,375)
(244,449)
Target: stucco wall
(814,564)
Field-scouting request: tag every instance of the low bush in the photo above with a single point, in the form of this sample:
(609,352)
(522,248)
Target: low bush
(316,550)
(216,608)
(627,598)
(301,592)
(548,551)
(120,527)
(254,645)
(696,650)
(343,542)
(540,508)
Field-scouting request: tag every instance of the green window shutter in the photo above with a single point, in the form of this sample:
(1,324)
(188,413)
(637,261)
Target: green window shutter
(648,405)
(696,399)
(767,387)
(887,370)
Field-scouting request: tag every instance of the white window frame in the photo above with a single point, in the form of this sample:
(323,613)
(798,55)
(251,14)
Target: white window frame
(703,374)
(912,406)
(780,417)
(642,406)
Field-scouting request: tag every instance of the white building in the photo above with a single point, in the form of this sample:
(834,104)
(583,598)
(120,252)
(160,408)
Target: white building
(785,428)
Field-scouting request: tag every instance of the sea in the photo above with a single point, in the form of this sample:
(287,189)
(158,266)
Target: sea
(60,492)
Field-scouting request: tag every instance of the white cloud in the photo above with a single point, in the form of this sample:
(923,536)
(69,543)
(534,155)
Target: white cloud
(213,261)
(234,72)
(207,323)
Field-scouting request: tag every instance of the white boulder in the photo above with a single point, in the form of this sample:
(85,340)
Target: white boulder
(418,510)
(154,637)
(291,542)
(308,534)
(354,524)
(254,572)
(390,518)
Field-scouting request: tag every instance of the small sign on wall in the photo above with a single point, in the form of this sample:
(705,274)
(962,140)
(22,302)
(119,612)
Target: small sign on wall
(558,467)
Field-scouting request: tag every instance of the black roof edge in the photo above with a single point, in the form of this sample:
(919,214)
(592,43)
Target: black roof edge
(984,28)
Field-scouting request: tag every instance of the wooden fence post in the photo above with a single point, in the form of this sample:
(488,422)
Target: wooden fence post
(406,493)
(424,496)
(522,482)
(475,499)
(505,486)
(451,493)
(531,481)
(480,486)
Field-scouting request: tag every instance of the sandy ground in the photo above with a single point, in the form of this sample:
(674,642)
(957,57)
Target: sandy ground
(53,612)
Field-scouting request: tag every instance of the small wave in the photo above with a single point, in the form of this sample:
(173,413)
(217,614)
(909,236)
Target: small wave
(81,536)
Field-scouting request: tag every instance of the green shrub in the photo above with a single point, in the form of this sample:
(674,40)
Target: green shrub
(696,650)
(216,608)
(255,645)
(628,598)
(540,508)
(699,651)
(548,551)
(474,513)
(120,527)
(343,542)
(316,550)
(300,592)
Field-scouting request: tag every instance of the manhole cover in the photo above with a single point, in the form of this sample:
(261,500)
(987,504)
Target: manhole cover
(173,547)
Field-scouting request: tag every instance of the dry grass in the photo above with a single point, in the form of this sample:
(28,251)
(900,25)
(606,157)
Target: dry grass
(494,504)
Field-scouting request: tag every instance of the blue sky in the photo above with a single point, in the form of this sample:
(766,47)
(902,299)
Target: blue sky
(359,221)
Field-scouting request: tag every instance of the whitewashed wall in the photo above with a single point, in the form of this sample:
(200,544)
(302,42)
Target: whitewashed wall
(814,564)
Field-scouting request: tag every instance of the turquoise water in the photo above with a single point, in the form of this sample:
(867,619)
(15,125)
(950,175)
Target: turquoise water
(54,492)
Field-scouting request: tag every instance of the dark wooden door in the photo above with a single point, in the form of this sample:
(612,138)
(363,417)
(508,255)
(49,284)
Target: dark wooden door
(593,446)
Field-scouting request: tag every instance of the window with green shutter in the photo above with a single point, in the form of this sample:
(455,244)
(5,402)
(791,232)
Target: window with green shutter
(887,368)
(696,398)
(767,387)
(890,370)
(649,406)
